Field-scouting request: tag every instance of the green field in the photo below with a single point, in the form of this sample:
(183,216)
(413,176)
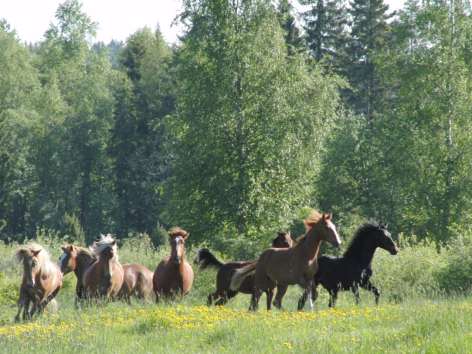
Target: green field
(420,326)
(415,315)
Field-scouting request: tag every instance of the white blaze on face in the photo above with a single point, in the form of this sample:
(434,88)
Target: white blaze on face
(332,227)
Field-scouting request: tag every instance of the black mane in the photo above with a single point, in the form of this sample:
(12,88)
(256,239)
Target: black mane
(358,241)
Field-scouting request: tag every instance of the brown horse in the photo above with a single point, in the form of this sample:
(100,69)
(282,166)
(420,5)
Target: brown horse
(42,280)
(226,270)
(174,275)
(288,266)
(76,259)
(104,278)
(137,282)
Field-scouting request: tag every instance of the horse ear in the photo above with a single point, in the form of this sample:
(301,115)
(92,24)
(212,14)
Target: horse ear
(113,243)
(186,236)
(64,248)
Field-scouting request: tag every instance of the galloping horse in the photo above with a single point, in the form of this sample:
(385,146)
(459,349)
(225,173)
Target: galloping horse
(354,268)
(42,280)
(226,270)
(76,259)
(174,275)
(137,282)
(104,277)
(287,266)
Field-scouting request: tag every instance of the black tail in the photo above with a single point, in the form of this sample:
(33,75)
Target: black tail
(206,259)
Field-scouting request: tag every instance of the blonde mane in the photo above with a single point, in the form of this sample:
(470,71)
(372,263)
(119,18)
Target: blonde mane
(43,257)
(313,218)
(105,241)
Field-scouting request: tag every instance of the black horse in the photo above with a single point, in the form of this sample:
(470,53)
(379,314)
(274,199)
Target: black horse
(354,268)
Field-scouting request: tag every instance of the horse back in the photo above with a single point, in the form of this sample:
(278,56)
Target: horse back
(226,272)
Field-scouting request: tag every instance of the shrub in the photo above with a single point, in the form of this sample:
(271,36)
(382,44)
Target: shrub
(456,275)
(411,272)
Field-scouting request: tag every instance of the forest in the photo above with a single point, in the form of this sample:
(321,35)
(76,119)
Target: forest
(260,111)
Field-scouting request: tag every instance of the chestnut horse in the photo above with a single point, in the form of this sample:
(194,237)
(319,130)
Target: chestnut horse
(137,282)
(42,280)
(104,277)
(288,266)
(226,270)
(76,259)
(174,275)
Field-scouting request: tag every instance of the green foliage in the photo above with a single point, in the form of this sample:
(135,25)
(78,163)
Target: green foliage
(250,124)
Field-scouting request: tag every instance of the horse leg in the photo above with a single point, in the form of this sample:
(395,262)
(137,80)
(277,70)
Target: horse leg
(270,295)
(256,295)
(302,300)
(355,291)
(314,295)
(281,290)
(333,296)
(370,287)
(21,306)
(210,299)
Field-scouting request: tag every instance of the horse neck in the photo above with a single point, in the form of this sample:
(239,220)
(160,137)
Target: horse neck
(106,265)
(311,244)
(361,252)
(83,262)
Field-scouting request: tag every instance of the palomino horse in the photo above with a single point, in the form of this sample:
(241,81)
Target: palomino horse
(288,266)
(226,270)
(174,275)
(354,268)
(104,277)
(42,280)
(76,259)
(137,282)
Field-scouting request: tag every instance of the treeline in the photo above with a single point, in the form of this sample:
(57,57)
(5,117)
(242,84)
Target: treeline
(253,116)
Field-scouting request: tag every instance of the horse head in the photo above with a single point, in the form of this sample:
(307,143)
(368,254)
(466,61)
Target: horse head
(177,238)
(383,239)
(323,224)
(68,259)
(30,256)
(283,240)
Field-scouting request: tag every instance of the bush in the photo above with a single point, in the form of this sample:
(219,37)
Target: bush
(411,273)
(456,275)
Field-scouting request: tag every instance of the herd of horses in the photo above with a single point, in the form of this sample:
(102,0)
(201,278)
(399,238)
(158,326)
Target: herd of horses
(100,275)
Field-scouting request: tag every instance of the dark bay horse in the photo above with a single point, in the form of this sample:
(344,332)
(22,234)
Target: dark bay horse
(288,266)
(78,260)
(174,275)
(42,280)
(104,278)
(226,270)
(137,282)
(354,268)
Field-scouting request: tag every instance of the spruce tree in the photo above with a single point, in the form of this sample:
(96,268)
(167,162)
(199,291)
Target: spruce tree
(325,26)
(369,35)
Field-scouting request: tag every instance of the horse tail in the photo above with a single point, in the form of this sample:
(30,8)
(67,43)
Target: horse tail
(207,259)
(241,274)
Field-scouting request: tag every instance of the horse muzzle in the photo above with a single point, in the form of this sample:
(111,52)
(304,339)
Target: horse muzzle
(394,251)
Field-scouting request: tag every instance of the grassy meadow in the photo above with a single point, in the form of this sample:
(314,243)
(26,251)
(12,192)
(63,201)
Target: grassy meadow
(415,314)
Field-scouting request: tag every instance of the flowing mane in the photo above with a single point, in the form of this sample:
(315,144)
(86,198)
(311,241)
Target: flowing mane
(27,250)
(105,241)
(35,249)
(312,219)
(177,231)
(83,252)
(357,241)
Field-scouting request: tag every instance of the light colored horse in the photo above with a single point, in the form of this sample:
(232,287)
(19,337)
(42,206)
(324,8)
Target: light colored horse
(42,280)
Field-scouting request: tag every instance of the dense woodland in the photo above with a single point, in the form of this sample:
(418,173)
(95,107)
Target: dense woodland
(257,113)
